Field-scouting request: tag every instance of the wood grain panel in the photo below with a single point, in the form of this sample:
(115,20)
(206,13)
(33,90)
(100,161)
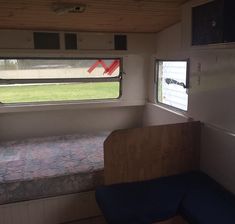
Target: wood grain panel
(150,152)
(100,15)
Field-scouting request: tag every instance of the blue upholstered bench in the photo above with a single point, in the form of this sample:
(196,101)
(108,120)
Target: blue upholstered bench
(195,196)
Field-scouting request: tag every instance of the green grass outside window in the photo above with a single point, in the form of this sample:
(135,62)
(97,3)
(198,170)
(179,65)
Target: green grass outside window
(59,92)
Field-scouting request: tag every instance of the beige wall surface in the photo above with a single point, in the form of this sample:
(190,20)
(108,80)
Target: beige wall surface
(218,155)
(17,121)
(211,95)
(157,115)
(61,122)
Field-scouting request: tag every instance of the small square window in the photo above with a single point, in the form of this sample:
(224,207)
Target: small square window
(172,83)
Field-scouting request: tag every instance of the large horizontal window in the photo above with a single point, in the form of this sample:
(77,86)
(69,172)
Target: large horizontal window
(172,83)
(54,80)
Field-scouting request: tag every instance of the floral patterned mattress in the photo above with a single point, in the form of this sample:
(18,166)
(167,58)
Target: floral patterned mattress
(51,166)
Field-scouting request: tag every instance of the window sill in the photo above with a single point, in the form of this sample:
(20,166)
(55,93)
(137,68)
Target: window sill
(15,108)
(175,111)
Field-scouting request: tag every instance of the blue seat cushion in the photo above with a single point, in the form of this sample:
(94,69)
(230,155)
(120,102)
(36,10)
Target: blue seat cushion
(207,202)
(142,202)
(195,196)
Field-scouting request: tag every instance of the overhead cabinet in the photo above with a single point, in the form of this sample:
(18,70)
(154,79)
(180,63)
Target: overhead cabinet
(213,22)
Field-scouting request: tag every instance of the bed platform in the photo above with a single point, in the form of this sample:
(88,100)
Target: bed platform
(51,166)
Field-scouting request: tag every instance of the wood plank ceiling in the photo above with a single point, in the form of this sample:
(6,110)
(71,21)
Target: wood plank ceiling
(100,15)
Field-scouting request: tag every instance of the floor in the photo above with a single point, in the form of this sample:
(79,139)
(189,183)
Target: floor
(97,220)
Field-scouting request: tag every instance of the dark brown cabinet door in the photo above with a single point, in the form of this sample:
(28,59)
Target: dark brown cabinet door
(207,23)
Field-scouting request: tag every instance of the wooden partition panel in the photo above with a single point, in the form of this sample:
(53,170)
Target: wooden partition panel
(150,152)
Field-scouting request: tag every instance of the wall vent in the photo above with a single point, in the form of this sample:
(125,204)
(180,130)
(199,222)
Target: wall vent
(70,41)
(120,42)
(44,40)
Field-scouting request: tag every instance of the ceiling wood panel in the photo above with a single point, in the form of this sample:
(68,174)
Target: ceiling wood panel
(100,15)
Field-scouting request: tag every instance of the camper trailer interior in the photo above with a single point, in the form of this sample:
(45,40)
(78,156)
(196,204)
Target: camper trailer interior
(117,112)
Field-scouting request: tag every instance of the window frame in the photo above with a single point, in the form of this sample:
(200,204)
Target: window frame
(119,79)
(156,78)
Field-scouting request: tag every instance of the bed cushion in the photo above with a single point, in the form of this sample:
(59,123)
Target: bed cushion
(141,202)
(50,166)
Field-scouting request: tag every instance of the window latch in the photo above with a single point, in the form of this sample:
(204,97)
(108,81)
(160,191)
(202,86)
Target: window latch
(173,81)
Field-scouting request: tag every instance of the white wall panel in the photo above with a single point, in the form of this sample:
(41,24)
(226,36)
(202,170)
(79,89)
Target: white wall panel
(218,155)
(211,95)
(157,115)
(61,122)
(18,121)
(53,210)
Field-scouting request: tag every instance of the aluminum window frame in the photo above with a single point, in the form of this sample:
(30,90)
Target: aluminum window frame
(156,78)
(65,80)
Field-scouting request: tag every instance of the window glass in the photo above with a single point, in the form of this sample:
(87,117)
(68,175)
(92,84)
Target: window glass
(40,80)
(172,83)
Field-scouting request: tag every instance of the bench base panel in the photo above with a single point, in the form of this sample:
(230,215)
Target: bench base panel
(54,210)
